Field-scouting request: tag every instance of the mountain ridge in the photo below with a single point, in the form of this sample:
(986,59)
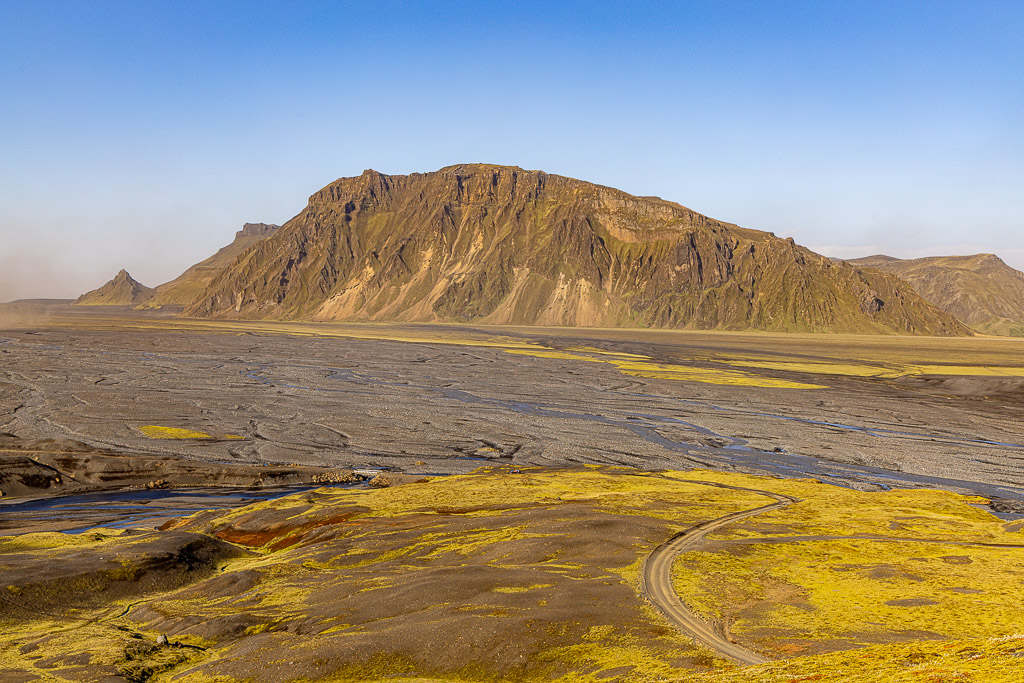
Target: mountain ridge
(182,290)
(499,244)
(979,289)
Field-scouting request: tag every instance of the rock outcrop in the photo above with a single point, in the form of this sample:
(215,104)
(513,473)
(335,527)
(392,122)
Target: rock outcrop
(499,244)
(980,290)
(122,290)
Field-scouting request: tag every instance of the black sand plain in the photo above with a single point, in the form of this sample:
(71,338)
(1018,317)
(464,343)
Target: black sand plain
(449,398)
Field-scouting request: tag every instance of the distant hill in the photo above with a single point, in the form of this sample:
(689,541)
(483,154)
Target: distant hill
(498,244)
(183,290)
(980,290)
(122,290)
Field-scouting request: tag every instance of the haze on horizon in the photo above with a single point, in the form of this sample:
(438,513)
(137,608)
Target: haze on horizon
(143,135)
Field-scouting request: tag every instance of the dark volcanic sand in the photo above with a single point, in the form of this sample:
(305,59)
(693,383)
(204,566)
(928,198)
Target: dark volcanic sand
(428,407)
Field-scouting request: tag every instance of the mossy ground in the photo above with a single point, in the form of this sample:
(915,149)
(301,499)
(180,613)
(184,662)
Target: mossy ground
(892,371)
(989,660)
(161,432)
(643,366)
(158,432)
(845,568)
(518,568)
(534,576)
(54,541)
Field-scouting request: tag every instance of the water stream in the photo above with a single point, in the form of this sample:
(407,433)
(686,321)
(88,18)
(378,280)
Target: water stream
(134,508)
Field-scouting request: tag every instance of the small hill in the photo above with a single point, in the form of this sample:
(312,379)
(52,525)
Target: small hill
(123,290)
(182,290)
(499,244)
(980,290)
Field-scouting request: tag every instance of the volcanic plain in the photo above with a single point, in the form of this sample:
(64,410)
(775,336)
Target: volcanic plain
(548,503)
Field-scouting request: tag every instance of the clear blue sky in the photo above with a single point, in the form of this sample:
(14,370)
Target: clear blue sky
(143,134)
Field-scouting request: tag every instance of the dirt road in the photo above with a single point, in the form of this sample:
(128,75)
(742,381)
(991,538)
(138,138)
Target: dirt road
(656,578)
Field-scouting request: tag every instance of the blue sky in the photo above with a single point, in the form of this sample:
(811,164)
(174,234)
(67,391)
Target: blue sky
(143,134)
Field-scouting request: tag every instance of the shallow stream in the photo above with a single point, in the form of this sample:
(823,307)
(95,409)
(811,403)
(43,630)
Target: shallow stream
(77,513)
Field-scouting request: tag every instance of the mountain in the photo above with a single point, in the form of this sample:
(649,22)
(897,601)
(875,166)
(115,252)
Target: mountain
(498,244)
(980,290)
(123,290)
(183,289)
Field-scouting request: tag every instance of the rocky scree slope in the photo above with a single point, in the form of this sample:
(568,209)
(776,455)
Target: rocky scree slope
(498,244)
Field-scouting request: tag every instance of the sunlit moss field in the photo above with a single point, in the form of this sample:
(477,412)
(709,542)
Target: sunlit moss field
(842,569)
(525,576)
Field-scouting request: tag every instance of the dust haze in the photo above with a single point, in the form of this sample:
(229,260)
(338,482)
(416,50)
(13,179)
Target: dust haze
(25,275)
(20,316)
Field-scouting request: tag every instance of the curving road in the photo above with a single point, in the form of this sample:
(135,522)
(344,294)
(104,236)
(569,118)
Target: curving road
(656,577)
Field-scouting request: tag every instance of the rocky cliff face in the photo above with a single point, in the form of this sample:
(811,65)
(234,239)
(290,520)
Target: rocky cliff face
(122,290)
(256,230)
(498,244)
(183,290)
(980,290)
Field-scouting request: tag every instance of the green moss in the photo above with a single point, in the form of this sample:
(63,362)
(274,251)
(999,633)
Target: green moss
(857,590)
(606,651)
(52,540)
(994,660)
(143,660)
(522,589)
(379,666)
(395,539)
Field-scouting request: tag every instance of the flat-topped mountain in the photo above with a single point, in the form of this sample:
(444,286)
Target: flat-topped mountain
(122,290)
(980,290)
(184,289)
(499,244)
